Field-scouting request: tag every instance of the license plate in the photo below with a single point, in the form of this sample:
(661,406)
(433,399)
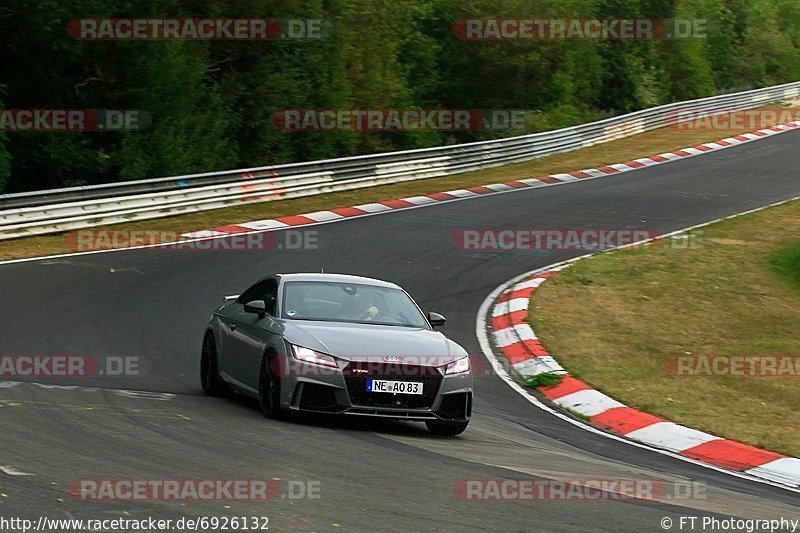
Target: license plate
(394,387)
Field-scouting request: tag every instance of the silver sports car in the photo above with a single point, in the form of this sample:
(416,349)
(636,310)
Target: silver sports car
(330,343)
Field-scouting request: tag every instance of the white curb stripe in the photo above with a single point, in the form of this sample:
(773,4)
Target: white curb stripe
(420,200)
(537,365)
(203,233)
(588,402)
(510,306)
(785,470)
(671,436)
(514,334)
(499,187)
(621,167)
(564,177)
(373,208)
(594,173)
(264,224)
(322,216)
(530,284)
(462,193)
(533,182)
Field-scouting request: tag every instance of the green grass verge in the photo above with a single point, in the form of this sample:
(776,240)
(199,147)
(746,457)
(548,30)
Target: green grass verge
(617,318)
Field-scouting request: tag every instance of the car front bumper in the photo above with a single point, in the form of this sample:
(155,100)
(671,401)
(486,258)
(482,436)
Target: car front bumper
(343,391)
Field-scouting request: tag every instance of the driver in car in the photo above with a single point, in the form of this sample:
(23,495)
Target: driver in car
(368,307)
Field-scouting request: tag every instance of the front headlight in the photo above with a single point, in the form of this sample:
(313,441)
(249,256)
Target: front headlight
(307,355)
(458,367)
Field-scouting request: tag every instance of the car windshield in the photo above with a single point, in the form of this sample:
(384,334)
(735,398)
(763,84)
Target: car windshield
(350,302)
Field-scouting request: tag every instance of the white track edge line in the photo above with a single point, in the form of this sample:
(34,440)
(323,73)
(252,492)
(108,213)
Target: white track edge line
(481,328)
(457,199)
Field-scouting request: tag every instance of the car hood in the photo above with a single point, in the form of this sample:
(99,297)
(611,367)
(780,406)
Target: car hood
(372,342)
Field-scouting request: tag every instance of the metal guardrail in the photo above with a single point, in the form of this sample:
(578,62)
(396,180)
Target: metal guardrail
(50,211)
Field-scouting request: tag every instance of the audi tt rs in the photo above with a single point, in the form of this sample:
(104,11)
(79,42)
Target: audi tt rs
(338,344)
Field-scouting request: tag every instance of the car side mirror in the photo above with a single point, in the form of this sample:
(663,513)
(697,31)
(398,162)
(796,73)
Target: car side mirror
(257,307)
(436,319)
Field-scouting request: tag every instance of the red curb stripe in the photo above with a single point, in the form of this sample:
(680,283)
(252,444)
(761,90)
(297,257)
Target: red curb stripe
(702,148)
(441,196)
(518,317)
(741,138)
(500,322)
(759,133)
(579,174)
(681,153)
(723,143)
(295,220)
(567,386)
(503,321)
(634,164)
(233,228)
(548,179)
(623,420)
(608,170)
(348,211)
(502,298)
(730,454)
(516,353)
(396,204)
(535,348)
(521,293)
(658,158)
(516,184)
(481,190)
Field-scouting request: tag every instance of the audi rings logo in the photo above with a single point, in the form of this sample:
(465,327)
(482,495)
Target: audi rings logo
(392,358)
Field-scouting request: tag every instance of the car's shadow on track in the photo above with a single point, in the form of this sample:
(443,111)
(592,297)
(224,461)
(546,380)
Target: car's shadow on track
(338,422)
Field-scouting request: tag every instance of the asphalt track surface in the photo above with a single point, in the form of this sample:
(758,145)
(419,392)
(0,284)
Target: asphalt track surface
(154,304)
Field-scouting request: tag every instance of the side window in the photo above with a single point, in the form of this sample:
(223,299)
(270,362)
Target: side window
(250,294)
(266,290)
(270,295)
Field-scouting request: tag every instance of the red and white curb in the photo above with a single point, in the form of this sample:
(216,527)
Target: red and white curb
(494,188)
(527,357)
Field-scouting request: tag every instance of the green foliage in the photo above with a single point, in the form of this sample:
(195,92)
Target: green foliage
(5,164)
(545,379)
(786,263)
(212,102)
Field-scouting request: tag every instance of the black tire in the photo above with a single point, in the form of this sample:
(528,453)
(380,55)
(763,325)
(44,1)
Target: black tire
(209,370)
(269,388)
(446,429)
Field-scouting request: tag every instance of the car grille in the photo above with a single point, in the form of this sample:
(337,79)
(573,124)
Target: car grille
(356,382)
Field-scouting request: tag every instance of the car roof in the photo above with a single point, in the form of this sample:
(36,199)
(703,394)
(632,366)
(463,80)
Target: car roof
(335,278)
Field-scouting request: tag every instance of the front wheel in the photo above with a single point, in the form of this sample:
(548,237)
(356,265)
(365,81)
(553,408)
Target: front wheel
(209,370)
(269,388)
(447,429)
